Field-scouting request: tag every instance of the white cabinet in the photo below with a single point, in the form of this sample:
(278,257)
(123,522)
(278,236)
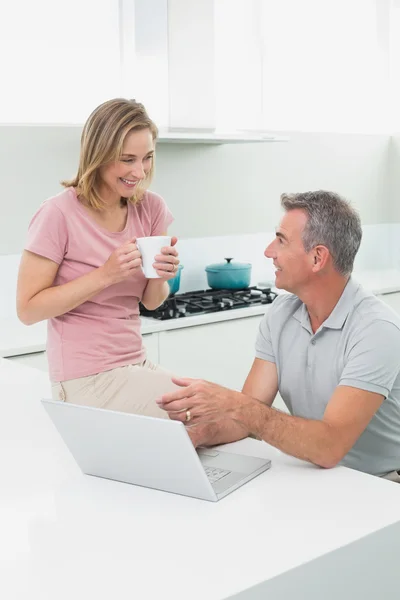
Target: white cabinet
(393,300)
(220,352)
(60,59)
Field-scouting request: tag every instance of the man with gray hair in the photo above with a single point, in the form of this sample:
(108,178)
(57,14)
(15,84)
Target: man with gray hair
(330,348)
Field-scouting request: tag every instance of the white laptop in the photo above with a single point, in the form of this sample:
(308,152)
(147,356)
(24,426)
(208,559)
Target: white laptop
(151,452)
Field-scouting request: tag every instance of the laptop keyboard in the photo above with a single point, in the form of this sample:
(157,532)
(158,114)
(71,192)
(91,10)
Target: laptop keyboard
(214,474)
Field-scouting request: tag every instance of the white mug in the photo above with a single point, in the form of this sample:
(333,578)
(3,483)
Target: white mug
(149,247)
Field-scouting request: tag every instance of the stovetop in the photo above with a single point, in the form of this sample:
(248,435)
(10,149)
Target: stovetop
(209,301)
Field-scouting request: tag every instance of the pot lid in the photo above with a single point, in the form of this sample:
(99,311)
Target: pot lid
(228,266)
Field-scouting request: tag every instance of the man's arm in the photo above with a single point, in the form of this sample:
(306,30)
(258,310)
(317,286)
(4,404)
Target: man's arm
(221,415)
(262,381)
(371,367)
(323,442)
(373,363)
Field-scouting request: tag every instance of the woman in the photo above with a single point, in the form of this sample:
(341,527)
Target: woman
(81,268)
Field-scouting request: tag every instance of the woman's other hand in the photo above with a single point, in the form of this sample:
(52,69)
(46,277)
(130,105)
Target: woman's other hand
(166,263)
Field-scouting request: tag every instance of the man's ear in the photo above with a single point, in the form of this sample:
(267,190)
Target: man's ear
(320,257)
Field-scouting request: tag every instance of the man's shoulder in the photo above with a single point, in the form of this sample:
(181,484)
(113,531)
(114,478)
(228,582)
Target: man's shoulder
(371,310)
(373,324)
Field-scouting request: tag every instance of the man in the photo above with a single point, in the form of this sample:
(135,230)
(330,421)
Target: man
(329,347)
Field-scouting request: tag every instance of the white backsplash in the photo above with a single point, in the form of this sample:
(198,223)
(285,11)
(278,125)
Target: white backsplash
(195,254)
(380,249)
(394,237)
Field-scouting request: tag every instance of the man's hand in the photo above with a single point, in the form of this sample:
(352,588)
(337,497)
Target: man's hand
(200,400)
(202,434)
(211,413)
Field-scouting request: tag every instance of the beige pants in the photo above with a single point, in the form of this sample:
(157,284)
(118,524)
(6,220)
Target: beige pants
(132,389)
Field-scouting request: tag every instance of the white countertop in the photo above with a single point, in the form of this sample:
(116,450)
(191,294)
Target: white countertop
(16,338)
(67,535)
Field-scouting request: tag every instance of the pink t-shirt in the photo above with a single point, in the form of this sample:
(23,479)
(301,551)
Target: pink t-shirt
(104,332)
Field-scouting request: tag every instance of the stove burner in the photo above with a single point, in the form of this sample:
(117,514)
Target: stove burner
(208,301)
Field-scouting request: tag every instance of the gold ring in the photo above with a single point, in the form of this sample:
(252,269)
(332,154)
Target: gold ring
(188,416)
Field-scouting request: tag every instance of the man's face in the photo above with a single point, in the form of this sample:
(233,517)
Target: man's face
(293,264)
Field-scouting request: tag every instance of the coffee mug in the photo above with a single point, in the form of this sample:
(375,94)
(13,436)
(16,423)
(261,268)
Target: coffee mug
(149,247)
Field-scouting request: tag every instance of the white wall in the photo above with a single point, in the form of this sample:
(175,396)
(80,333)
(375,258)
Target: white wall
(220,190)
(212,190)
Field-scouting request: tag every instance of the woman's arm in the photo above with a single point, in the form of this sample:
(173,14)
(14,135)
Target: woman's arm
(38,299)
(156,291)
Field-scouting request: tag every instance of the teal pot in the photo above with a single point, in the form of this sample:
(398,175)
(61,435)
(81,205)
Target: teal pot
(229,275)
(175,282)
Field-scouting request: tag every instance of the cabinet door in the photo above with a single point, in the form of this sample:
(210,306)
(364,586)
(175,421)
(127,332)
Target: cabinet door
(66,53)
(219,352)
(393,300)
(150,342)
(38,360)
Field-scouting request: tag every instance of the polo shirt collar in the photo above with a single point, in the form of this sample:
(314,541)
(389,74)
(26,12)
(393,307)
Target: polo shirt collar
(302,316)
(339,314)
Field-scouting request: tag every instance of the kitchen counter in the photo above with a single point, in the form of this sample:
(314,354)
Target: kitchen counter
(294,531)
(16,338)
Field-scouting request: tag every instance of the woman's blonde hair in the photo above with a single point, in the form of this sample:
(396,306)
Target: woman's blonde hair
(102,140)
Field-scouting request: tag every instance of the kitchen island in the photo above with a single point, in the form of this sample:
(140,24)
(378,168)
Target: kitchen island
(296,531)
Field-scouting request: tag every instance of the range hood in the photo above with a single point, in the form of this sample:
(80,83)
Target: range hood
(173,49)
(173,136)
(192,136)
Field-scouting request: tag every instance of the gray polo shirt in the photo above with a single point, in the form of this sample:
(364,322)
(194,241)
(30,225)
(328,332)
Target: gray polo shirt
(359,346)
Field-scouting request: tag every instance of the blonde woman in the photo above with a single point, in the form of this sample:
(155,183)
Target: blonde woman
(81,268)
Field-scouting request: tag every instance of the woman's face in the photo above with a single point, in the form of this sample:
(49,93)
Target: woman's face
(119,178)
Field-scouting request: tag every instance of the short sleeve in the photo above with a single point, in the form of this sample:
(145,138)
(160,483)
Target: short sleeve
(373,361)
(47,233)
(161,216)
(264,348)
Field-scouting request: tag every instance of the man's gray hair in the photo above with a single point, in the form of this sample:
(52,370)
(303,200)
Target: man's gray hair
(332,222)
